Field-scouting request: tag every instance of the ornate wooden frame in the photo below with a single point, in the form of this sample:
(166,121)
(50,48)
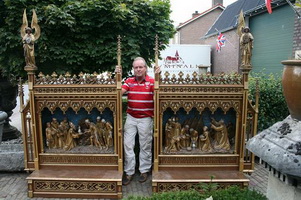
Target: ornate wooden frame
(71,92)
(232,92)
(201,92)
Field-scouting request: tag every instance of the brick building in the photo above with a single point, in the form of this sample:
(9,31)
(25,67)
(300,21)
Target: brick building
(189,32)
(276,35)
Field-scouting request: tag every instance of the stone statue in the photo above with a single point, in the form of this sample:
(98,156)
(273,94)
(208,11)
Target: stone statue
(246,46)
(204,141)
(70,142)
(222,140)
(28,38)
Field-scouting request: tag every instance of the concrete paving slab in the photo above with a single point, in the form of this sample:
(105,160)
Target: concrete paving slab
(15,186)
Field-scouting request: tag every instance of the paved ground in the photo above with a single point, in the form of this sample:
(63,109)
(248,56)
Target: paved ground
(259,179)
(13,186)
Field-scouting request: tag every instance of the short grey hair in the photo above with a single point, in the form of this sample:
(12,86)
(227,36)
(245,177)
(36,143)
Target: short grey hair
(145,65)
(140,58)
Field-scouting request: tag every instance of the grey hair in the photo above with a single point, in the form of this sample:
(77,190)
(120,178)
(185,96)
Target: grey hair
(145,65)
(140,58)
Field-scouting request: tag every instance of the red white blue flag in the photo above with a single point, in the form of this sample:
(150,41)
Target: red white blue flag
(220,42)
(268,5)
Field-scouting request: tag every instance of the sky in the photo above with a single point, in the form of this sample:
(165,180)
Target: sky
(182,9)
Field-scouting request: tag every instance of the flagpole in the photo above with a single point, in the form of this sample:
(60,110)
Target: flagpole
(227,39)
(290,3)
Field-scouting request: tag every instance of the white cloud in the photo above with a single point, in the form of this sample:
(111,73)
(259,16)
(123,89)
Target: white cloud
(182,9)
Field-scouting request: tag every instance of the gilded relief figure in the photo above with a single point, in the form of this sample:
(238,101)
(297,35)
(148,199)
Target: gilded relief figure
(55,130)
(70,142)
(175,135)
(204,141)
(108,135)
(62,132)
(246,46)
(188,140)
(92,131)
(215,136)
(49,136)
(176,127)
(175,144)
(168,132)
(66,136)
(184,135)
(65,126)
(28,38)
(100,125)
(222,140)
(194,137)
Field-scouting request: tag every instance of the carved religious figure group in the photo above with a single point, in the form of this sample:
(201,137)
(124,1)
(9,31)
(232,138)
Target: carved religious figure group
(182,137)
(66,136)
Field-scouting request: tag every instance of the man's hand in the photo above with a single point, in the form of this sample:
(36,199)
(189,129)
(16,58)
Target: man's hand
(157,70)
(118,69)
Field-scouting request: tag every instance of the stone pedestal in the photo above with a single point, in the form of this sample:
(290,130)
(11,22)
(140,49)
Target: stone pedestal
(279,190)
(280,147)
(12,156)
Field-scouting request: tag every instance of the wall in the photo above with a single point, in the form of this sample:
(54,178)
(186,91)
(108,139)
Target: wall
(227,59)
(297,34)
(273,39)
(193,31)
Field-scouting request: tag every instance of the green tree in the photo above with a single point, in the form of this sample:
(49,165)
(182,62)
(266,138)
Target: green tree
(81,35)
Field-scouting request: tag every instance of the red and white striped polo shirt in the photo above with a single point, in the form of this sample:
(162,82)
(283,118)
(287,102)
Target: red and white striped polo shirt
(140,97)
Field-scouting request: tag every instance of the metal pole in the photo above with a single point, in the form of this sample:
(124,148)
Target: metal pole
(227,40)
(292,6)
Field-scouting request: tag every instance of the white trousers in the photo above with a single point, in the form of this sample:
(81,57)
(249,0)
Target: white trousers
(144,127)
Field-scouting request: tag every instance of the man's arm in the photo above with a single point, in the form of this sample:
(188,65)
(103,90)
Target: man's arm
(123,91)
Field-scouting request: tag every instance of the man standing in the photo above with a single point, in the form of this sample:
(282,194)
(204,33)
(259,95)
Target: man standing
(140,112)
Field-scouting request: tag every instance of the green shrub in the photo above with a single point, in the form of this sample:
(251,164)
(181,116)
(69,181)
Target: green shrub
(235,193)
(272,105)
(230,193)
(177,195)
